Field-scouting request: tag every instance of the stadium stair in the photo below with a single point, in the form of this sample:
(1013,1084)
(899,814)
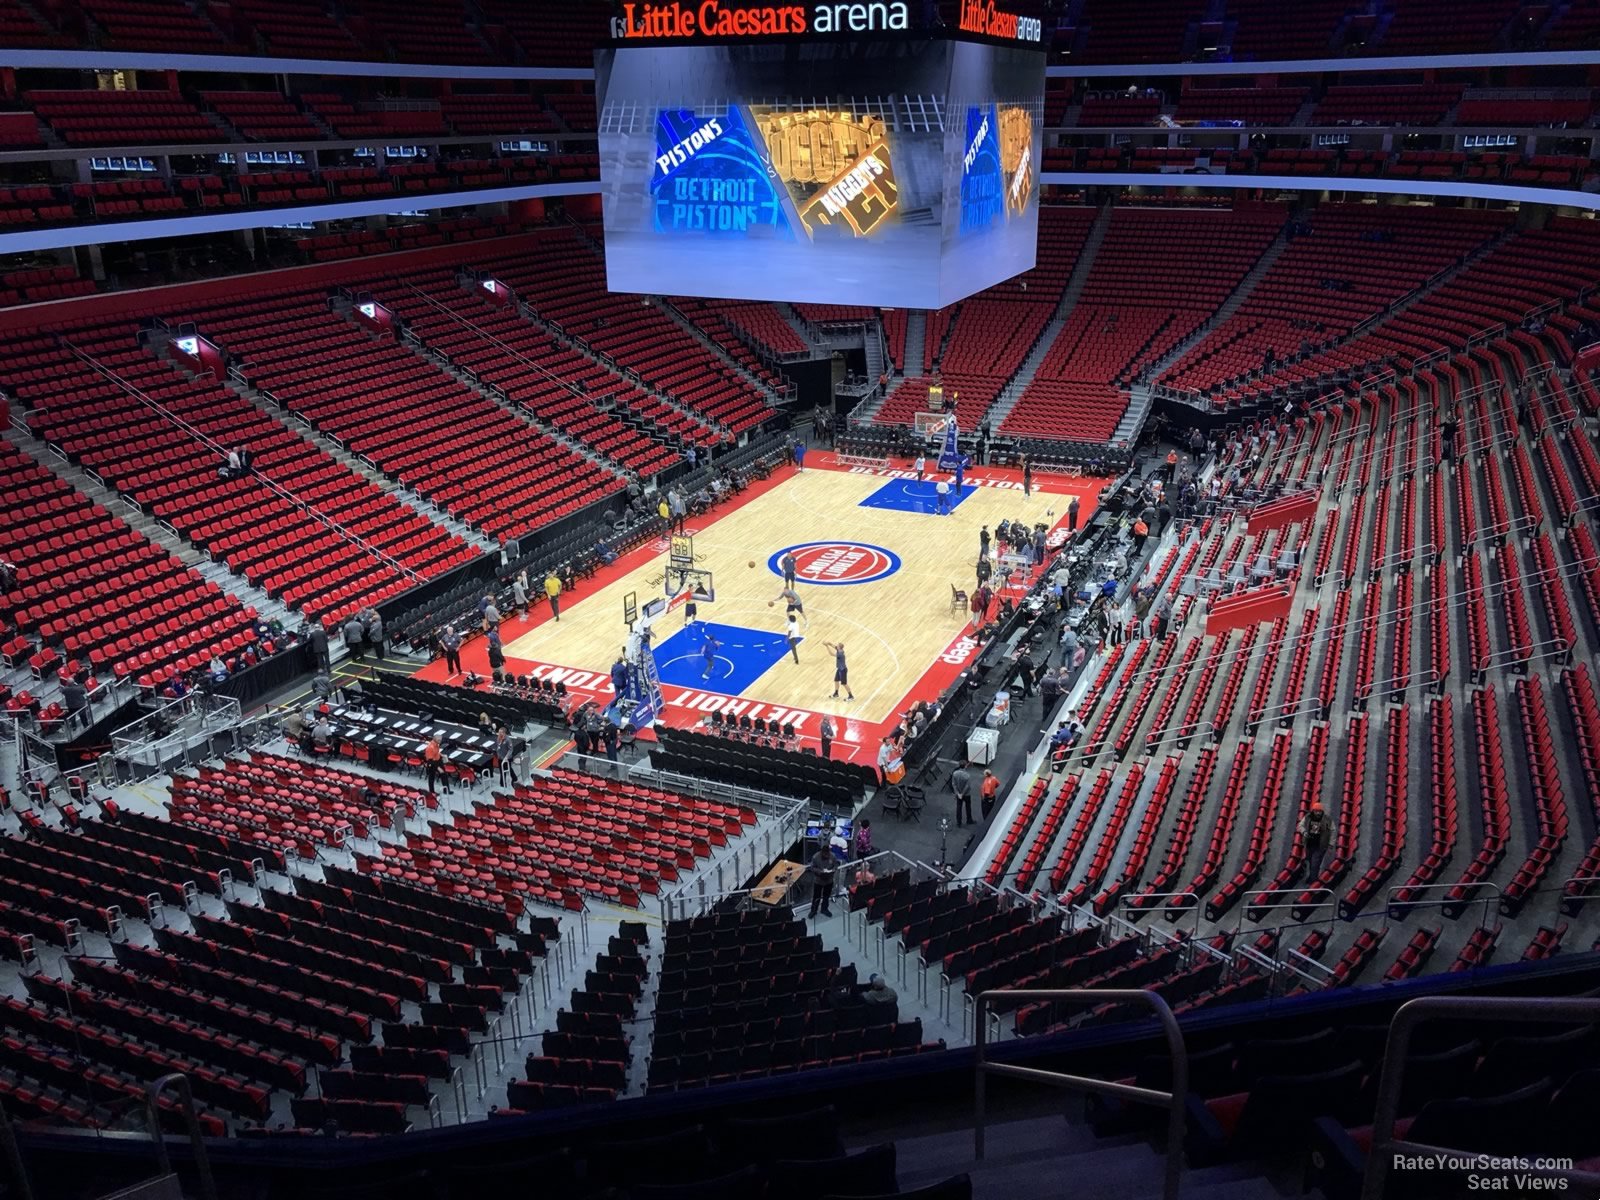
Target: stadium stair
(802,330)
(154,530)
(422,350)
(360,466)
(916,339)
(1033,1157)
(773,396)
(600,356)
(1012,391)
(1229,306)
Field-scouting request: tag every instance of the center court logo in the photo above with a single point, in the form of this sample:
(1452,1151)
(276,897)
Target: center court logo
(834,564)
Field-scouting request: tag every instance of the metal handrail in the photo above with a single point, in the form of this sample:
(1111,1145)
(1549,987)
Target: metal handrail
(152,1112)
(1543,1010)
(1391,906)
(1173,1101)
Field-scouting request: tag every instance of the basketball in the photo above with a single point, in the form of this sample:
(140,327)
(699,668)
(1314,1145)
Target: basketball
(770,603)
(752,564)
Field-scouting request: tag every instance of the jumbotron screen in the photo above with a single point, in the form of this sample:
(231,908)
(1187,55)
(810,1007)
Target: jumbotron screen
(894,173)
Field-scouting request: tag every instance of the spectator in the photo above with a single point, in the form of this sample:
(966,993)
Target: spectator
(76,699)
(497,652)
(1314,834)
(879,992)
(826,734)
(821,869)
(218,670)
(355,638)
(1160,616)
(519,594)
(864,839)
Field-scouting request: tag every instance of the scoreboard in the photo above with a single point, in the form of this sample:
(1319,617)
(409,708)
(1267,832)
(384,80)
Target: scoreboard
(851,156)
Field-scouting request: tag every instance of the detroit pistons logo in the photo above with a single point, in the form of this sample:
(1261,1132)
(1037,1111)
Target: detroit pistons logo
(834,564)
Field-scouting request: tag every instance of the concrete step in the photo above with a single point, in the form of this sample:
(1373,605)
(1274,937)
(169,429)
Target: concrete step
(156,531)
(916,340)
(1018,383)
(1058,1157)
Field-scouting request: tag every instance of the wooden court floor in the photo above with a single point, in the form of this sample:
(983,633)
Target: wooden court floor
(896,628)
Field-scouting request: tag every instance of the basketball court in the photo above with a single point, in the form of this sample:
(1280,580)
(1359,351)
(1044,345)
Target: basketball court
(876,567)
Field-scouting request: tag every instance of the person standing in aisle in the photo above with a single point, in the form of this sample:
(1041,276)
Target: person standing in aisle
(841,670)
(1314,835)
(317,638)
(552,588)
(821,869)
(502,752)
(961,785)
(433,761)
(355,638)
(989,790)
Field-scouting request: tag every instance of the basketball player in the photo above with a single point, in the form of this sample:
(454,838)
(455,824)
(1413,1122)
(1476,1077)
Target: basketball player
(841,670)
(709,653)
(787,564)
(920,466)
(791,633)
(793,605)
